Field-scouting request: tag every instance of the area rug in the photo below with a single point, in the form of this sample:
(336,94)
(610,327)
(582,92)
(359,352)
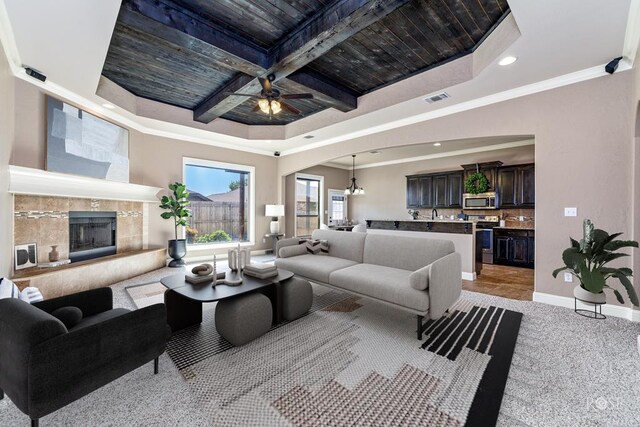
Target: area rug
(350,361)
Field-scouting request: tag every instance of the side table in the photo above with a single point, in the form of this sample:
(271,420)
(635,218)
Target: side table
(274,237)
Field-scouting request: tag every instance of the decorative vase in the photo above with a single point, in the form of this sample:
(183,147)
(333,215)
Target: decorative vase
(177,250)
(232,259)
(54,255)
(584,295)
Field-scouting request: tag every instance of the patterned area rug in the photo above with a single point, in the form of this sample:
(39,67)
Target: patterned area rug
(350,361)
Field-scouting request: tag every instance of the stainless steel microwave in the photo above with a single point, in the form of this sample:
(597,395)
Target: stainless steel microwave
(479,201)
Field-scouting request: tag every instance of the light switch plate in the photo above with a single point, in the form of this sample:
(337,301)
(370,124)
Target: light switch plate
(568,277)
(570,211)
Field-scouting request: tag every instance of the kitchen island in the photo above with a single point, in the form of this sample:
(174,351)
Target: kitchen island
(461,233)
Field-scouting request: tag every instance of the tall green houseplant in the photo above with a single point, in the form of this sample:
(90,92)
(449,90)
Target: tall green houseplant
(587,260)
(176,205)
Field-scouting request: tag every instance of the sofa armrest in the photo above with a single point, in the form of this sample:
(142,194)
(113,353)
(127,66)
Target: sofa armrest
(291,251)
(72,365)
(445,284)
(91,302)
(285,242)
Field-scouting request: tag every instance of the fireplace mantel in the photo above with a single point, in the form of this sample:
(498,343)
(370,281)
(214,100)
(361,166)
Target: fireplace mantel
(38,182)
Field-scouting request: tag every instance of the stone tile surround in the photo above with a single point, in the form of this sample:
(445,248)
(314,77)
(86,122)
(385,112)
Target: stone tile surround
(45,221)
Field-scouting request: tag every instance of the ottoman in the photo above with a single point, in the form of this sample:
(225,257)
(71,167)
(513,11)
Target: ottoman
(297,297)
(243,318)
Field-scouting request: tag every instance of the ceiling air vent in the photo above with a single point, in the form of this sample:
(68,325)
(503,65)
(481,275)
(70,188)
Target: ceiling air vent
(437,97)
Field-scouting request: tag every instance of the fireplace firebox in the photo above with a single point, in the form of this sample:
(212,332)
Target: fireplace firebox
(91,235)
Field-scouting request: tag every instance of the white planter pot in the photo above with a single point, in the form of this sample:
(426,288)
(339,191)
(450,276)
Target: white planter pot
(586,296)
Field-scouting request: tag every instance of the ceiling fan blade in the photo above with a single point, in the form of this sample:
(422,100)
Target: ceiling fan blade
(297,96)
(289,108)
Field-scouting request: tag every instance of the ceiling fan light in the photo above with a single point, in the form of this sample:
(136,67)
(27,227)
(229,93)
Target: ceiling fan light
(275,107)
(264,105)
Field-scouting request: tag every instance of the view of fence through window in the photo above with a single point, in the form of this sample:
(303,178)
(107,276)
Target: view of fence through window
(307,206)
(219,205)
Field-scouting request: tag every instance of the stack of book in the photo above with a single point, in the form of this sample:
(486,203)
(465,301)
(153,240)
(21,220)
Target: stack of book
(261,271)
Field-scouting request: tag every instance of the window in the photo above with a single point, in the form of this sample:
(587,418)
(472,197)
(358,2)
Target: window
(308,204)
(337,207)
(222,203)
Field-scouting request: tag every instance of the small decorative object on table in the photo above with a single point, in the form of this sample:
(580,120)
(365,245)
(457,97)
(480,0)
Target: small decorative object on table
(238,258)
(54,255)
(586,260)
(261,270)
(234,278)
(26,256)
(54,263)
(202,273)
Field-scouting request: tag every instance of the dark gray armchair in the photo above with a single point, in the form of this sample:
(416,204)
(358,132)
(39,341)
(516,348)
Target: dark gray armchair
(45,366)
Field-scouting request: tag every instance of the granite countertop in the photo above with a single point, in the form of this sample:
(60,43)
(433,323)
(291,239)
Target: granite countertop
(525,228)
(457,221)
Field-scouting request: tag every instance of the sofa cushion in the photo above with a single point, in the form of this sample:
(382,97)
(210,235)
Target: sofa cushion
(100,317)
(383,283)
(313,267)
(289,251)
(409,253)
(68,315)
(343,244)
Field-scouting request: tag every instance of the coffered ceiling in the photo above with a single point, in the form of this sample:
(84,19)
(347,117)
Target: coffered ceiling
(196,54)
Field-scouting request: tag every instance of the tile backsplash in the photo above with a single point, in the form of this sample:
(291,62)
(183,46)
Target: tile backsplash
(511,216)
(45,221)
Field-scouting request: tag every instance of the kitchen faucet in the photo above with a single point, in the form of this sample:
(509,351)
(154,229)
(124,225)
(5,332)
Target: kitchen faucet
(434,213)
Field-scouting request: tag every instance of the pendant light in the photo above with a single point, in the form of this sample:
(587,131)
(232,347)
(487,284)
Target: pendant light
(353,188)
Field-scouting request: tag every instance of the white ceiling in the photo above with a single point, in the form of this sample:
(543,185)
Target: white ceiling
(417,152)
(68,39)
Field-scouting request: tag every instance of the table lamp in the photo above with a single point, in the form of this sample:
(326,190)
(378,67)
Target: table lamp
(274,211)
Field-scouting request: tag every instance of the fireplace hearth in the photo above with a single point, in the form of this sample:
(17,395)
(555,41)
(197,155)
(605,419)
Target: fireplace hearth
(91,235)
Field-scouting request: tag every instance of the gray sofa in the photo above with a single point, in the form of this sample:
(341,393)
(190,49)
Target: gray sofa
(421,276)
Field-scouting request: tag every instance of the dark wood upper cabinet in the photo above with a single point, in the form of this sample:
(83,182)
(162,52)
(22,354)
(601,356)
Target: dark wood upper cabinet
(455,189)
(440,191)
(426,191)
(413,192)
(516,186)
(489,169)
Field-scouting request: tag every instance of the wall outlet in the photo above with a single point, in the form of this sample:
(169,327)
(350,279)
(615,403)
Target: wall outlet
(570,211)
(568,277)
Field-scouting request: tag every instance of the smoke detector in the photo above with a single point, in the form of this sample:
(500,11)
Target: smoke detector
(437,97)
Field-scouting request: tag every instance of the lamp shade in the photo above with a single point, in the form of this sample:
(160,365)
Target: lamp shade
(274,210)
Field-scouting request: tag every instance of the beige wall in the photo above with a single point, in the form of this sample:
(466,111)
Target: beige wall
(583,155)
(386,185)
(334,179)
(154,161)
(7,124)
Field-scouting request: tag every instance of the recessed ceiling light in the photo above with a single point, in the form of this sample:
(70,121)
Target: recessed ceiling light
(436,144)
(508,60)
(309,137)
(109,106)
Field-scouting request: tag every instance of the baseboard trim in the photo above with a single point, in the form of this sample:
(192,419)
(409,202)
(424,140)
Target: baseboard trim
(607,309)
(469,276)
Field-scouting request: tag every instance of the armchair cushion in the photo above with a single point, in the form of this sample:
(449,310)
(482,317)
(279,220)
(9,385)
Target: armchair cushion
(91,302)
(98,318)
(69,315)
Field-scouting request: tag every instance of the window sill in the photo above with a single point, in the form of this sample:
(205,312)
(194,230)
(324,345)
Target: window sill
(214,246)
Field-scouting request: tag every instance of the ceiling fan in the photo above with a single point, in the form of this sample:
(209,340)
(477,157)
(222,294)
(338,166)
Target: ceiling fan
(270,100)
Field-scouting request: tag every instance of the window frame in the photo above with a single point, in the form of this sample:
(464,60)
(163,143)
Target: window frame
(330,203)
(318,178)
(251,170)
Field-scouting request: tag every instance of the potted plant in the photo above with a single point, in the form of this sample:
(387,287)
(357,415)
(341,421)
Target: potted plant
(176,206)
(587,260)
(414,213)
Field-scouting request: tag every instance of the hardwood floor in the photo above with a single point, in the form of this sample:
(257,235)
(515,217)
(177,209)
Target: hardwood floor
(503,281)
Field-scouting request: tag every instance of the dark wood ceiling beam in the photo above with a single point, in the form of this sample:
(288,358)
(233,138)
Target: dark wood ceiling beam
(312,39)
(325,91)
(169,22)
(220,102)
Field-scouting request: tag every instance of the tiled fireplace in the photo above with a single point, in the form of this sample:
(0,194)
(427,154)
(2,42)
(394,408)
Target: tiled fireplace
(48,221)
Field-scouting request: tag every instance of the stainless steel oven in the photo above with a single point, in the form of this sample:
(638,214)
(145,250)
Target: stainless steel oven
(485,225)
(480,201)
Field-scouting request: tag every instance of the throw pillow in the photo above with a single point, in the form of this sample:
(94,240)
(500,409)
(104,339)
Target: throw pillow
(8,289)
(316,246)
(69,315)
(31,295)
(289,251)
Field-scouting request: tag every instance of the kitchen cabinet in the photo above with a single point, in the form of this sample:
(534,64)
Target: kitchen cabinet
(489,169)
(516,186)
(439,190)
(514,247)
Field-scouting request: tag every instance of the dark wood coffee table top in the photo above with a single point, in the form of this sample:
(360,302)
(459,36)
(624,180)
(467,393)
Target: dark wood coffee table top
(206,292)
